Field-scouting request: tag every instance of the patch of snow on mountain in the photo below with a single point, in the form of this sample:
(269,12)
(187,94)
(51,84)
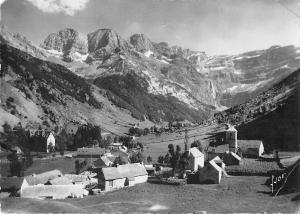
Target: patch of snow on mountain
(298,57)
(247,87)
(247,57)
(148,53)
(55,53)
(231,89)
(285,66)
(79,57)
(238,72)
(217,68)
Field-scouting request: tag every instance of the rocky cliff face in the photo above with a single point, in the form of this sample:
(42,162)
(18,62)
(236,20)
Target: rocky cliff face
(68,42)
(103,43)
(141,43)
(191,78)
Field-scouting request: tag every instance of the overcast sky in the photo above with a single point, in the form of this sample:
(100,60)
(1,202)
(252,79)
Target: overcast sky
(214,26)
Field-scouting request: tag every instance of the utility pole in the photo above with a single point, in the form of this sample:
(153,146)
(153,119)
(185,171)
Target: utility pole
(299,21)
(186,141)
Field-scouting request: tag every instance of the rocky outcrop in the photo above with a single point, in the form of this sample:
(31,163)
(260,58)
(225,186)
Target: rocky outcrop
(141,43)
(104,42)
(67,41)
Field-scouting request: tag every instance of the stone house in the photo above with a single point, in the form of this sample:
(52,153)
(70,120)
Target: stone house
(112,178)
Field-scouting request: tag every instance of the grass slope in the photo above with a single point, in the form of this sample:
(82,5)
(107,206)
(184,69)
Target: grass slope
(234,194)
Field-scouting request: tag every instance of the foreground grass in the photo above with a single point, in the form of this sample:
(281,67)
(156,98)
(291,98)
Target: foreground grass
(234,194)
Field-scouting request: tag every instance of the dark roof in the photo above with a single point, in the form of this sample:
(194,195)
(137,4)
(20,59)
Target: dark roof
(90,151)
(11,182)
(99,163)
(43,177)
(61,181)
(124,171)
(228,154)
(247,144)
(219,149)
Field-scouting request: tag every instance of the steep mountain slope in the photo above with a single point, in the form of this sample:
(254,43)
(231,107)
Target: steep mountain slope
(36,92)
(158,81)
(273,116)
(125,72)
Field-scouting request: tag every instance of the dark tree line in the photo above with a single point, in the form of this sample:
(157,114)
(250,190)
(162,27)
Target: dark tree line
(176,158)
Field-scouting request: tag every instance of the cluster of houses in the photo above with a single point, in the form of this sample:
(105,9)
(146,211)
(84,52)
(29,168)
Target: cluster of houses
(209,168)
(51,184)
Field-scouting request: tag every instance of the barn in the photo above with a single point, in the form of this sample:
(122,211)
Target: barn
(251,148)
(219,162)
(81,179)
(196,159)
(211,173)
(86,152)
(42,178)
(60,181)
(54,191)
(121,176)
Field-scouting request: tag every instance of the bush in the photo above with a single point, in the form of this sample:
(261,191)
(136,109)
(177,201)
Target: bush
(10,99)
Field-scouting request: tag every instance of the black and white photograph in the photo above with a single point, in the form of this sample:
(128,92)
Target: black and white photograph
(149,106)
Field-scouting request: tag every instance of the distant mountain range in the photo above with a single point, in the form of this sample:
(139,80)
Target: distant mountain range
(140,78)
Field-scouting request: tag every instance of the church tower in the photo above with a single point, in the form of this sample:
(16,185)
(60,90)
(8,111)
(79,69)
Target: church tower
(231,139)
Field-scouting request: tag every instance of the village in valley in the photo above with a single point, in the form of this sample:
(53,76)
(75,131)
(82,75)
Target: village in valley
(117,163)
(129,106)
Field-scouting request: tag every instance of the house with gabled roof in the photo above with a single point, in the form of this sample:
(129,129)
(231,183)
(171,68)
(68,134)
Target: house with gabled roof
(219,162)
(42,178)
(195,159)
(82,179)
(251,148)
(60,181)
(112,178)
(211,173)
(54,191)
(51,184)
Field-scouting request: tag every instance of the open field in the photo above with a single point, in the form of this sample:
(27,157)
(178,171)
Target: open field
(65,165)
(158,145)
(252,167)
(234,194)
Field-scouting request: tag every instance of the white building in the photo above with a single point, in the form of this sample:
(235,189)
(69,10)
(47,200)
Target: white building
(51,184)
(210,173)
(196,159)
(251,148)
(50,140)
